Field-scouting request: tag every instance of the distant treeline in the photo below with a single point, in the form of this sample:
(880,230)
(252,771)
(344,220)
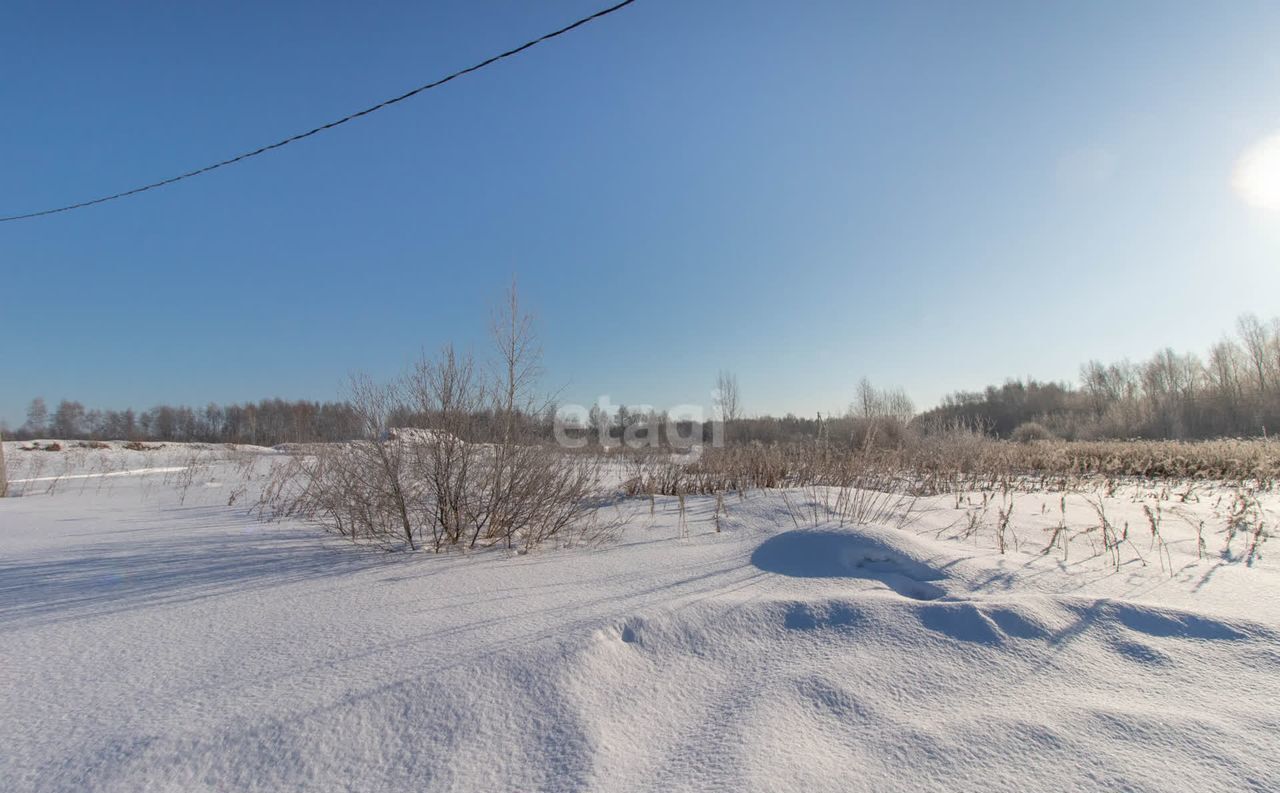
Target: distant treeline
(266,423)
(1235,391)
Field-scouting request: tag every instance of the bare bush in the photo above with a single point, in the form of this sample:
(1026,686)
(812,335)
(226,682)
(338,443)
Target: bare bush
(465,472)
(1029,432)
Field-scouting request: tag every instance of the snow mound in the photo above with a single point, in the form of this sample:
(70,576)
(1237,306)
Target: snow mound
(154,635)
(860,692)
(827,553)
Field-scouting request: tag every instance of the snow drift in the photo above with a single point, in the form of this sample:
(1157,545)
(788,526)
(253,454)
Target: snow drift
(153,638)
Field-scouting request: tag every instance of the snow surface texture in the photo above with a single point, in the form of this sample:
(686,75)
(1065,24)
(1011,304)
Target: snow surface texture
(154,638)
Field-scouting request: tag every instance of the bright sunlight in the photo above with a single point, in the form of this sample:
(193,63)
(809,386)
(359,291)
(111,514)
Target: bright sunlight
(1257,174)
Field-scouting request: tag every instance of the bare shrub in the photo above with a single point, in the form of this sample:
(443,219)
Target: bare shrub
(1029,432)
(463,470)
(346,488)
(449,396)
(361,489)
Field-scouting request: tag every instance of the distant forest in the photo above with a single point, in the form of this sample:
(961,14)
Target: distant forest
(1233,392)
(266,423)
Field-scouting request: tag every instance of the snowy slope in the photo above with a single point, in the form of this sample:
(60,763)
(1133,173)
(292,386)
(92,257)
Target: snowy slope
(154,638)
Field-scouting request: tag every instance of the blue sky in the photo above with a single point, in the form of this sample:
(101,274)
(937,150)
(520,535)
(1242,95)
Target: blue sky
(935,195)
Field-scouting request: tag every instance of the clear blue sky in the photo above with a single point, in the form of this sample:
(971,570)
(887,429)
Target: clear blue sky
(936,195)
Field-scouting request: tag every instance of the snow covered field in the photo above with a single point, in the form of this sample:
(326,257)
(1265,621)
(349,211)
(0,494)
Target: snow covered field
(152,637)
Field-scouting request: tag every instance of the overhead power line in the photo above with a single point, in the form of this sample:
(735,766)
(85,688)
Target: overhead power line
(328,126)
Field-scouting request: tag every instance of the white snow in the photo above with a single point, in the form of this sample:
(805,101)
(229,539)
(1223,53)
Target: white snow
(154,638)
(173,469)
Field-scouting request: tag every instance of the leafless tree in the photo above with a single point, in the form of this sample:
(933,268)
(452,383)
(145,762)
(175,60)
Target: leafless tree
(1224,378)
(868,403)
(1253,334)
(1275,349)
(519,365)
(462,467)
(727,395)
(37,417)
(519,362)
(727,400)
(67,419)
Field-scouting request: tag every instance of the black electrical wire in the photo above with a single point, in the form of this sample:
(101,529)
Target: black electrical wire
(323,127)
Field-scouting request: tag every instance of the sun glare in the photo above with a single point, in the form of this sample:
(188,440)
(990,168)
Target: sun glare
(1257,174)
